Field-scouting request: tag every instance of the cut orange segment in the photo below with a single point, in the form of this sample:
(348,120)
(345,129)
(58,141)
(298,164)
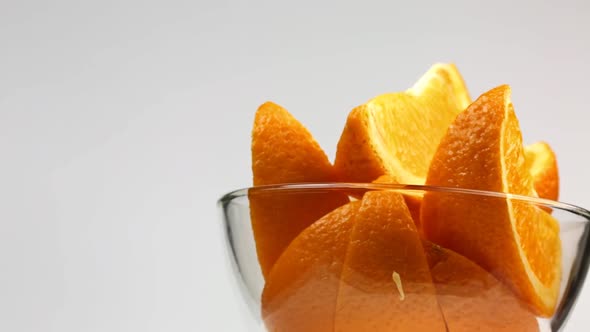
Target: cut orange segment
(413,199)
(443,87)
(386,283)
(301,290)
(543,167)
(516,241)
(397,133)
(471,299)
(283,151)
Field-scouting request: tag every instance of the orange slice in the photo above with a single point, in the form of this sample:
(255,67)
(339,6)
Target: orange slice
(543,166)
(283,151)
(413,199)
(471,299)
(386,283)
(301,290)
(517,242)
(442,86)
(397,133)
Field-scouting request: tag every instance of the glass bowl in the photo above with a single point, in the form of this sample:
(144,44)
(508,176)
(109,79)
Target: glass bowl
(326,287)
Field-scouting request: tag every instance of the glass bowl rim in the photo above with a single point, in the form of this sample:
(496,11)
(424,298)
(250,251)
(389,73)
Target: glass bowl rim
(408,188)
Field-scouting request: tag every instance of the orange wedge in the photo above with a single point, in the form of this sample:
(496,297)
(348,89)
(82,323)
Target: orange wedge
(283,151)
(301,290)
(397,133)
(471,299)
(517,242)
(543,167)
(386,283)
(413,199)
(442,87)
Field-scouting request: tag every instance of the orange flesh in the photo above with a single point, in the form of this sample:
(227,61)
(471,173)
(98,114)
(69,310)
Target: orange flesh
(543,166)
(396,134)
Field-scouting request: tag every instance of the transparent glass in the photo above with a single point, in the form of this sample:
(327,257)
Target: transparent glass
(468,295)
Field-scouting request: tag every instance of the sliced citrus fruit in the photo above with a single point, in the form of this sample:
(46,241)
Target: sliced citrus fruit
(516,241)
(471,299)
(543,167)
(443,87)
(397,133)
(386,283)
(283,151)
(301,290)
(413,199)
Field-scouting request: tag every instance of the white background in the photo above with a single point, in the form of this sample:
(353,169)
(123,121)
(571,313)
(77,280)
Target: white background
(122,122)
